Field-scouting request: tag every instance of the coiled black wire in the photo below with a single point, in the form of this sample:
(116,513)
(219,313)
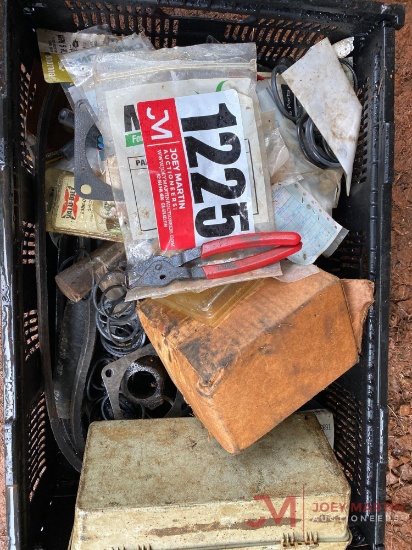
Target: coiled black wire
(129,410)
(282,66)
(312,143)
(320,157)
(117,321)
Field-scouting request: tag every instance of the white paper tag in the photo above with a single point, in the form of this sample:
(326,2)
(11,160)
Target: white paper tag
(196,156)
(131,157)
(296,210)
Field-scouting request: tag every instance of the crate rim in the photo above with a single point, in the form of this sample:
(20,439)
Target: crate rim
(393,16)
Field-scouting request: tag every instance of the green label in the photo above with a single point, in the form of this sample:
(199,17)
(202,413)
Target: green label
(134,139)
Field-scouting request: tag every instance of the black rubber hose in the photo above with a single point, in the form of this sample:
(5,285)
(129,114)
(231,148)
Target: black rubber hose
(60,432)
(283,65)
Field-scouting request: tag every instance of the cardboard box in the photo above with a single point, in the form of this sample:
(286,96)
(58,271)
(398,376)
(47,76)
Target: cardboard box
(276,350)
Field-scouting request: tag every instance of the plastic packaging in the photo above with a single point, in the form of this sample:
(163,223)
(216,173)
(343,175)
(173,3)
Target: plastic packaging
(94,158)
(296,210)
(211,306)
(323,185)
(78,64)
(124,80)
(53,44)
(276,151)
(329,100)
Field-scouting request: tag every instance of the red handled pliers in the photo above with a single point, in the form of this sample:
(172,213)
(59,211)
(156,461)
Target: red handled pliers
(161,270)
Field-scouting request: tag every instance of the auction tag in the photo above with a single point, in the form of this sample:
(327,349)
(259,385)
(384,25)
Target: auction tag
(196,156)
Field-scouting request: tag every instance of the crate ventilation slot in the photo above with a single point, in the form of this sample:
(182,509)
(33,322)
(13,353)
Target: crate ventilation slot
(26,97)
(275,38)
(360,166)
(347,414)
(349,259)
(31,333)
(28,251)
(120,18)
(37,444)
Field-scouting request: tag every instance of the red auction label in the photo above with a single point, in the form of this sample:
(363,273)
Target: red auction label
(169,176)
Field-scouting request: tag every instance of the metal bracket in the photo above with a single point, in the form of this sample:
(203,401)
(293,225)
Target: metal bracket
(113,379)
(113,374)
(152,395)
(86,183)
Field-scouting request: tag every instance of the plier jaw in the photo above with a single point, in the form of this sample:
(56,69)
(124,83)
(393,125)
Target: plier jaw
(162,272)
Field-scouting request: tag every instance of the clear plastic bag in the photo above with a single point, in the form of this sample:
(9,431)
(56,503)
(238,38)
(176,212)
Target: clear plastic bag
(323,185)
(78,64)
(53,44)
(211,306)
(126,79)
(276,151)
(300,190)
(95,159)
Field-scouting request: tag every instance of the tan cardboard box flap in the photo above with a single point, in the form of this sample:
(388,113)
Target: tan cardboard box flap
(359,296)
(276,350)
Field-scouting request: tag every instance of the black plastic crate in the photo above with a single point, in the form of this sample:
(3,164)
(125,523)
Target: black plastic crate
(41,486)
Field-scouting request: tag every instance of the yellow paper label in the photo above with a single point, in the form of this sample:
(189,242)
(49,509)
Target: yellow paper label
(53,69)
(75,215)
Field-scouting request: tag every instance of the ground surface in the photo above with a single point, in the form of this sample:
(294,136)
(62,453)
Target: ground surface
(399,478)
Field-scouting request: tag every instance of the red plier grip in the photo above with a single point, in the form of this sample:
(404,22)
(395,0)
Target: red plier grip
(251,262)
(252,240)
(286,243)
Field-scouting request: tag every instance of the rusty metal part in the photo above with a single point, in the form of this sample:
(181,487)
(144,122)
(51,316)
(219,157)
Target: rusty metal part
(144,381)
(77,280)
(113,375)
(139,378)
